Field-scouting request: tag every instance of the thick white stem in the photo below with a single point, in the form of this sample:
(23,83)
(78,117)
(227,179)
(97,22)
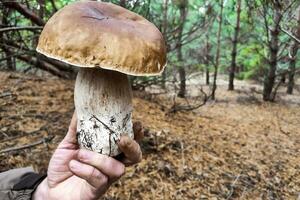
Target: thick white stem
(103,101)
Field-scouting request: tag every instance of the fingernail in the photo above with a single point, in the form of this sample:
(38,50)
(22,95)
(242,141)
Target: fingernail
(119,170)
(125,141)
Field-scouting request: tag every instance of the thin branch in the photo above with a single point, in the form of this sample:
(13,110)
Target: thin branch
(232,187)
(264,14)
(175,108)
(11,56)
(289,6)
(6,29)
(285,72)
(53,5)
(290,35)
(6,94)
(45,60)
(24,11)
(42,141)
(23,134)
(282,48)
(44,66)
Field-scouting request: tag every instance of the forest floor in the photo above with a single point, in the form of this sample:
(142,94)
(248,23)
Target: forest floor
(237,147)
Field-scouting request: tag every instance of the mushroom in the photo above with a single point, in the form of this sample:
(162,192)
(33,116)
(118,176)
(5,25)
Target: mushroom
(107,43)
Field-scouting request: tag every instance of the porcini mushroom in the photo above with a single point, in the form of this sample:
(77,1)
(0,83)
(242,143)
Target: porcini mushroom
(107,42)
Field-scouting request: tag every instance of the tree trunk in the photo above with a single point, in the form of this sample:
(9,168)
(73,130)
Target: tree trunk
(181,70)
(214,88)
(273,48)
(7,52)
(164,32)
(182,88)
(293,56)
(207,75)
(9,59)
(35,41)
(206,61)
(234,49)
(283,78)
(292,68)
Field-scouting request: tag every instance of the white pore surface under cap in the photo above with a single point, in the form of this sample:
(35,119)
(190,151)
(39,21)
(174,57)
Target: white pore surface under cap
(103,101)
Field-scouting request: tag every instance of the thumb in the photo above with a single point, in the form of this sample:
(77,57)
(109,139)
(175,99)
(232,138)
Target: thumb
(70,138)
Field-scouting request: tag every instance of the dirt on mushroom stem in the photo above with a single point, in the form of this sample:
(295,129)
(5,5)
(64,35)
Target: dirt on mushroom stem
(237,146)
(103,101)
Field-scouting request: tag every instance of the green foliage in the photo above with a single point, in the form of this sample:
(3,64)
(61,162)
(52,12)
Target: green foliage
(251,58)
(201,21)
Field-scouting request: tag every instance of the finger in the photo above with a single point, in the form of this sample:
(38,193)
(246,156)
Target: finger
(109,166)
(131,150)
(71,135)
(93,176)
(73,123)
(138,131)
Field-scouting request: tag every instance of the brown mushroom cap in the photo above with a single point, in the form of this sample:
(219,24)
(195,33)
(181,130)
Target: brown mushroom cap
(97,34)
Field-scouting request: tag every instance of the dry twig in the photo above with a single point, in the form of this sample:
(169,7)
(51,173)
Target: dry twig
(232,187)
(42,141)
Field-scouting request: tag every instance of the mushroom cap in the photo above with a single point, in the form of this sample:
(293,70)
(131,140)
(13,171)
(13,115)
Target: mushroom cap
(98,34)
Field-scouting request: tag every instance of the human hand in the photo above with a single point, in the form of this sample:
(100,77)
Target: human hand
(75,173)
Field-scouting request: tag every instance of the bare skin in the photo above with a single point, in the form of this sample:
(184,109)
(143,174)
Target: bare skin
(75,173)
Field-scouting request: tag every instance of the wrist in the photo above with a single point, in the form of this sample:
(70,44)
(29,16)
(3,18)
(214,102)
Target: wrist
(41,191)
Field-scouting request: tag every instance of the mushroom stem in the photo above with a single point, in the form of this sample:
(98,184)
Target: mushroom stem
(103,102)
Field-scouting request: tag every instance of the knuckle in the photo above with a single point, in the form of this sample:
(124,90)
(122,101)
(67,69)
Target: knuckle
(93,173)
(89,174)
(82,154)
(98,177)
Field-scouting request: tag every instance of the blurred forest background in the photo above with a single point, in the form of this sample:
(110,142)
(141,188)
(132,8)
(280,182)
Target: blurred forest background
(221,122)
